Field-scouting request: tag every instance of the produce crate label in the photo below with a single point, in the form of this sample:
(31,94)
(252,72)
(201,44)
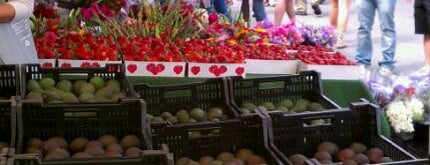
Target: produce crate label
(158,69)
(334,72)
(272,66)
(84,63)
(216,70)
(47,63)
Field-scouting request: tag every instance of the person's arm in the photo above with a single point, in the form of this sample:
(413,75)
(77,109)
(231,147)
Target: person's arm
(16,9)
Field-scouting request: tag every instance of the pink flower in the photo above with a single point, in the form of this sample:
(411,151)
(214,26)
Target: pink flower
(213,18)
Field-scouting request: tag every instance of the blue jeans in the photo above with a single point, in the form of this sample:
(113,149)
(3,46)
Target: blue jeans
(366,15)
(221,7)
(259,10)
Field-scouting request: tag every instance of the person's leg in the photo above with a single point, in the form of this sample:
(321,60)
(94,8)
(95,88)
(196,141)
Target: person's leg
(301,6)
(279,11)
(290,10)
(342,21)
(366,13)
(316,7)
(221,7)
(386,10)
(427,49)
(259,10)
(422,26)
(334,11)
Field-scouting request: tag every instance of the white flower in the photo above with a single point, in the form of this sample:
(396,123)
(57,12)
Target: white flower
(400,117)
(416,107)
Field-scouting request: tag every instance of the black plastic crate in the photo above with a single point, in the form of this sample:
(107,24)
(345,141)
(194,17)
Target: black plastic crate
(292,134)
(7,124)
(82,120)
(306,85)
(150,157)
(171,98)
(110,71)
(9,81)
(248,132)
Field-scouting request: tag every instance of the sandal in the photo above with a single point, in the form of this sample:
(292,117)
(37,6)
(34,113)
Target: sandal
(340,44)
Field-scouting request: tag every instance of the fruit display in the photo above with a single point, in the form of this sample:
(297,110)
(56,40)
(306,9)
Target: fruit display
(242,157)
(297,106)
(47,90)
(323,58)
(356,154)
(108,146)
(185,116)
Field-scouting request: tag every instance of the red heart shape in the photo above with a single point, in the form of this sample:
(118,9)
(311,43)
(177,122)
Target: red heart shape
(178,69)
(223,69)
(195,70)
(240,71)
(47,65)
(214,69)
(160,67)
(132,68)
(95,64)
(85,65)
(152,68)
(66,65)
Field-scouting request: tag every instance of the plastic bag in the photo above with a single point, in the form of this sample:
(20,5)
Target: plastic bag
(16,43)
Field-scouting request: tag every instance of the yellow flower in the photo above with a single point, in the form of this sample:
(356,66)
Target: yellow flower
(241,32)
(260,30)
(232,41)
(211,39)
(81,32)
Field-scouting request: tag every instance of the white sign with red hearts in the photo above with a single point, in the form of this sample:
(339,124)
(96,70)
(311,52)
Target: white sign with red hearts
(215,70)
(158,69)
(47,63)
(84,63)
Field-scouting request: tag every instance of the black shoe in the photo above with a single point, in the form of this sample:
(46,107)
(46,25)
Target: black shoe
(317,10)
(298,12)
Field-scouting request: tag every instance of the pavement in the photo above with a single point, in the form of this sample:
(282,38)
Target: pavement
(409,51)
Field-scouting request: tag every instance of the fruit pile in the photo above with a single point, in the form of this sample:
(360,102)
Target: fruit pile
(195,115)
(357,154)
(323,58)
(243,157)
(300,105)
(298,47)
(57,148)
(47,90)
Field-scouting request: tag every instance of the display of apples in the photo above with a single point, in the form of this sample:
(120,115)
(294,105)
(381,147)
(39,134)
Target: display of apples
(192,116)
(57,148)
(47,90)
(356,154)
(242,157)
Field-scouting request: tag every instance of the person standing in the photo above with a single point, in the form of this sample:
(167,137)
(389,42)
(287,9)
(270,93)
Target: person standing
(302,6)
(366,15)
(286,6)
(16,40)
(422,26)
(339,14)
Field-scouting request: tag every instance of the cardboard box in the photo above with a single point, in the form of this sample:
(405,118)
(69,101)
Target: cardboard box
(84,63)
(157,69)
(208,70)
(272,66)
(47,63)
(334,72)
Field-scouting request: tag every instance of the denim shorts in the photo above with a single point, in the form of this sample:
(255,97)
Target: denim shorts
(422,16)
